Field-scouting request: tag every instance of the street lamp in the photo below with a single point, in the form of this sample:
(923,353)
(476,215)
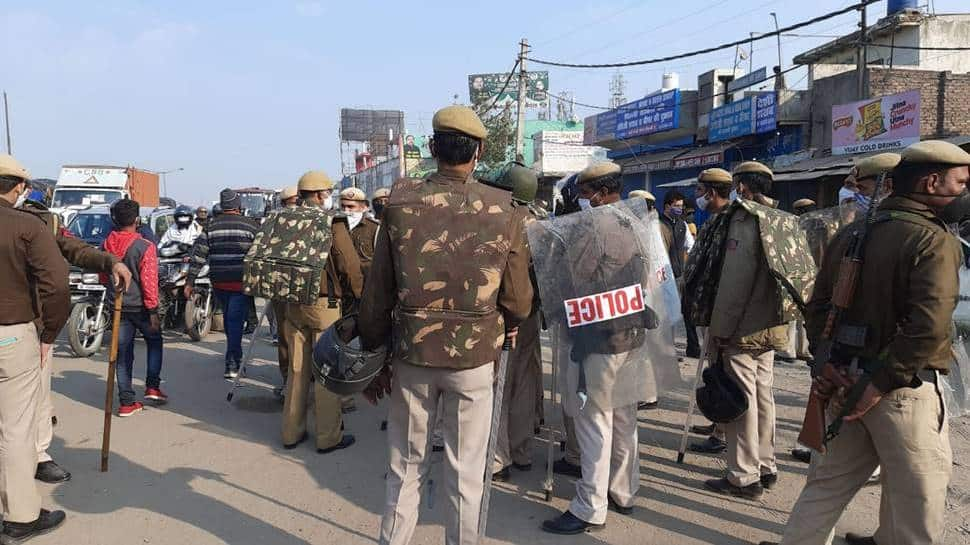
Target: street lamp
(162,173)
(777,35)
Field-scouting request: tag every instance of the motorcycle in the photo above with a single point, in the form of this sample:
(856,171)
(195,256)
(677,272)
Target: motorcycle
(89,314)
(195,314)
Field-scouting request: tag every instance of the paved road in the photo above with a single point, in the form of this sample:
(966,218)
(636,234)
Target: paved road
(201,471)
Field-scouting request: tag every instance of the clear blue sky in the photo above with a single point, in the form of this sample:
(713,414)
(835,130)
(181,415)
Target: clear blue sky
(249,93)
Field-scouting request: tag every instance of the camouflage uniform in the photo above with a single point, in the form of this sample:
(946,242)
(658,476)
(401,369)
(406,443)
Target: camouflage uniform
(449,276)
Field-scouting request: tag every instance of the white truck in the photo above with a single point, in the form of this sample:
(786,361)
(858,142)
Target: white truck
(81,186)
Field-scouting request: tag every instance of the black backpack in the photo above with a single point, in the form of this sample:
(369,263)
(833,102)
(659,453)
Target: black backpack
(720,399)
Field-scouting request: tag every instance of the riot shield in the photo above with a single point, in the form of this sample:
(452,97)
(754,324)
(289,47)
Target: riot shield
(607,287)
(820,226)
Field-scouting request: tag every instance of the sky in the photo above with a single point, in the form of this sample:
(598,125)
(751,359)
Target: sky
(249,93)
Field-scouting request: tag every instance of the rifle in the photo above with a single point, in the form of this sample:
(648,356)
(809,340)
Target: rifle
(814,433)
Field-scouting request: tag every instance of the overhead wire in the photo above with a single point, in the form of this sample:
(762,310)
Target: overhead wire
(504,87)
(695,53)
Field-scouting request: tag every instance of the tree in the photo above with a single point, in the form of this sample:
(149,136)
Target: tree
(500,142)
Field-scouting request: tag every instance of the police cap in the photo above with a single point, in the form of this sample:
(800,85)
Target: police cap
(288,192)
(11,167)
(935,152)
(873,166)
(381,193)
(754,167)
(353,194)
(803,203)
(642,194)
(459,119)
(315,180)
(715,176)
(597,171)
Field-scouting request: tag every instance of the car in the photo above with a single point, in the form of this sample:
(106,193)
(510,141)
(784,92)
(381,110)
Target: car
(159,219)
(92,224)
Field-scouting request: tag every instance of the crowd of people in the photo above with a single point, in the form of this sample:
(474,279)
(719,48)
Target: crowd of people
(439,276)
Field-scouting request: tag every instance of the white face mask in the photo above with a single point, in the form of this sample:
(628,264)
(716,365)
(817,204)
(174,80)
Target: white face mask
(734,195)
(702,202)
(354,218)
(21,199)
(328,202)
(584,204)
(846,193)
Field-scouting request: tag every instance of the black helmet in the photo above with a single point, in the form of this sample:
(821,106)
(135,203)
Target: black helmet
(720,399)
(340,364)
(184,216)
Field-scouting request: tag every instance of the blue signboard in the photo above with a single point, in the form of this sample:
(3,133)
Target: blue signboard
(652,114)
(752,115)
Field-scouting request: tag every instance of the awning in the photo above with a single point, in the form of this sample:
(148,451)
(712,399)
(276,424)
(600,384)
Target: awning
(705,156)
(686,182)
(662,160)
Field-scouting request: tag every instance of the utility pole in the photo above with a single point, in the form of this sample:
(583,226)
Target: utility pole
(778,35)
(6,120)
(862,56)
(523,86)
(751,51)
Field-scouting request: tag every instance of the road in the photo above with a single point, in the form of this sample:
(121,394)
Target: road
(201,471)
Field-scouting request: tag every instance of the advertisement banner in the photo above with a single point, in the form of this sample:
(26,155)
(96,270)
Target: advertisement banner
(486,87)
(751,115)
(652,114)
(748,80)
(878,124)
(563,152)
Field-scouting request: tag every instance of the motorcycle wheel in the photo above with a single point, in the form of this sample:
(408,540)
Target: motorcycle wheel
(218,324)
(82,319)
(198,319)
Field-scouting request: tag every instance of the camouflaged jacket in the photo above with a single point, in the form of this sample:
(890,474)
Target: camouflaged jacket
(450,273)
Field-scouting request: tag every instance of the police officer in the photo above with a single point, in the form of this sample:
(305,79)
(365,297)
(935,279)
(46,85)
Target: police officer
(31,267)
(305,323)
(363,229)
(522,401)
(904,304)
(378,202)
(746,332)
(452,267)
(289,196)
(645,195)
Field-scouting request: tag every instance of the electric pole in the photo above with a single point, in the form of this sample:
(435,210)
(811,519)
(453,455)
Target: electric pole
(751,51)
(6,120)
(778,35)
(862,55)
(523,86)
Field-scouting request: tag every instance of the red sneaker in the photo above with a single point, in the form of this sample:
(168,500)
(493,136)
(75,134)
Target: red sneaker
(156,395)
(128,410)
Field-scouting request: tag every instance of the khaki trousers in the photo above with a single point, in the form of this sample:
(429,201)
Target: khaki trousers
(517,424)
(907,433)
(282,348)
(797,342)
(466,400)
(751,439)
(20,394)
(45,412)
(304,324)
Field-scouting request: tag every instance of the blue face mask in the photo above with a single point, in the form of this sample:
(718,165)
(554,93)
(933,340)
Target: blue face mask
(863,202)
(676,211)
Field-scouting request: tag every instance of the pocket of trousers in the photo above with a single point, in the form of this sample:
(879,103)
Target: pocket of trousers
(917,413)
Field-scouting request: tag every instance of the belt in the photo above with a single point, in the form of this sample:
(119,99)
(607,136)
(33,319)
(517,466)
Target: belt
(928,375)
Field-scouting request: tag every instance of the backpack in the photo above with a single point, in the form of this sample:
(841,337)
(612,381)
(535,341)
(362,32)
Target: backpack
(288,258)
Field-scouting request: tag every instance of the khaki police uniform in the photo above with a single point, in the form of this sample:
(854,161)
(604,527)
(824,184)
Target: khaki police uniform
(451,266)
(303,326)
(30,261)
(907,291)
(279,311)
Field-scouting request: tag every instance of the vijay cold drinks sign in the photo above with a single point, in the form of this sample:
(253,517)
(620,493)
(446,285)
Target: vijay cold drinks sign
(878,124)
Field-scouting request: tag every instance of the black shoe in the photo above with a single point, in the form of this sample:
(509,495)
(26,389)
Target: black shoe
(693,352)
(646,405)
(383,425)
(803,455)
(15,533)
(568,524)
(292,446)
(768,543)
(769,480)
(617,507)
(502,475)
(711,445)
(563,467)
(51,473)
(522,467)
(437,448)
(785,359)
(724,486)
(345,442)
(856,539)
(702,430)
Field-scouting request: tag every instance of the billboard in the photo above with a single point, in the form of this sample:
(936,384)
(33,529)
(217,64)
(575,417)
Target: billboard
(754,114)
(747,80)
(484,88)
(884,123)
(651,114)
(374,126)
(563,152)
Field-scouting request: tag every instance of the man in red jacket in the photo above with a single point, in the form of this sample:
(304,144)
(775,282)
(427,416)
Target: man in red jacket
(139,309)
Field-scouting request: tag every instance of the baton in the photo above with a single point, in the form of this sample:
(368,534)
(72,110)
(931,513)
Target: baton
(109,390)
(692,403)
(503,364)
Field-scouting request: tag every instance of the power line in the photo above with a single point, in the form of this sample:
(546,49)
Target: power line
(919,48)
(588,24)
(504,87)
(737,43)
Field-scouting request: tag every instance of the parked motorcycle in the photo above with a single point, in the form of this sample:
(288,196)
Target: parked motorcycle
(194,314)
(89,314)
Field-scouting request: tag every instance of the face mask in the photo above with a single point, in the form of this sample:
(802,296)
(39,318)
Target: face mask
(957,210)
(584,204)
(378,209)
(846,193)
(21,199)
(354,218)
(734,195)
(863,201)
(702,202)
(676,211)
(328,202)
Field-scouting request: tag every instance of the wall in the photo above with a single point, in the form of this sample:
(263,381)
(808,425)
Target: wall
(828,92)
(945,31)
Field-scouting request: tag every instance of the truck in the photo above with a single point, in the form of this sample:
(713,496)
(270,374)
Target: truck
(80,186)
(257,201)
